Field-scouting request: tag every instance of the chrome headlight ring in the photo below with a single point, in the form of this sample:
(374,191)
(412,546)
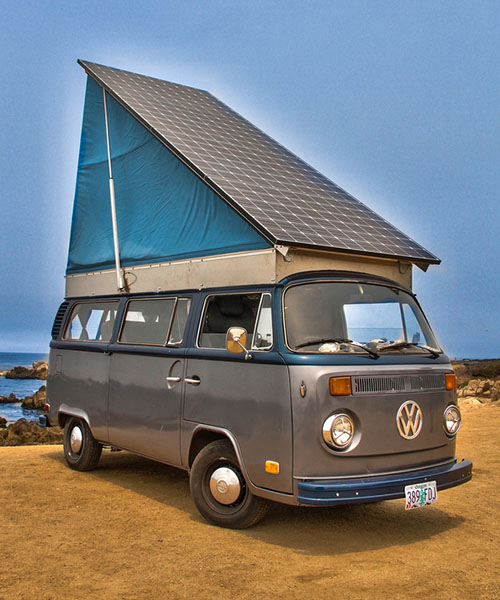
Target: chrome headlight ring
(452,420)
(338,431)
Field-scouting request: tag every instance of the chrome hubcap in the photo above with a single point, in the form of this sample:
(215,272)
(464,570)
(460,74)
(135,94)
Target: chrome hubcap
(76,440)
(225,485)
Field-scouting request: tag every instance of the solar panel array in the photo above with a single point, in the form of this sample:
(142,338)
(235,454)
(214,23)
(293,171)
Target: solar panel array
(282,196)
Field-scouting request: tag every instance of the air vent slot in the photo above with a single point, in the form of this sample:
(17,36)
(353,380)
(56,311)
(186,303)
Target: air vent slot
(427,382)
(373,385)
(58,321)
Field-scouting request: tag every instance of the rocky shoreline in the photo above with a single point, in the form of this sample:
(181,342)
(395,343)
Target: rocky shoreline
(24,432)
(28,433)
(35,401)
(39,370)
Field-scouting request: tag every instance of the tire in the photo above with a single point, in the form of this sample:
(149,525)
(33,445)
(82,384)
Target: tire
(81,451)
(233,505)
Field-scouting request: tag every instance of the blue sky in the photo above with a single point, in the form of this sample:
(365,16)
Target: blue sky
(395,101)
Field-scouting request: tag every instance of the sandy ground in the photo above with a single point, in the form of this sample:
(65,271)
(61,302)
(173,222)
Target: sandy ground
(129,530)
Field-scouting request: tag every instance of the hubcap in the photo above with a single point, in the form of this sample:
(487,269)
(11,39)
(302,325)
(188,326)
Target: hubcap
(76,440)
(225,485)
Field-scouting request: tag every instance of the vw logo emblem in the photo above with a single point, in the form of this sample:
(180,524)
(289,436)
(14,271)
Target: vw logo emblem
(409,420)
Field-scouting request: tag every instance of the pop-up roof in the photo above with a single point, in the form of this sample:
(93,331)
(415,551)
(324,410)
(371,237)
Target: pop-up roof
(194,178)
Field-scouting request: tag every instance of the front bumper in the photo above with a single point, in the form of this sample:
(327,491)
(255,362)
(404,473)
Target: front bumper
(374,489)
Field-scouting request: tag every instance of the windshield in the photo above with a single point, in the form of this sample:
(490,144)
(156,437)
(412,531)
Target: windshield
(354,317)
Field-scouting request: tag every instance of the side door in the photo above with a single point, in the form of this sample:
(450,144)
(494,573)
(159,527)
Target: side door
(146,378)
(249,397)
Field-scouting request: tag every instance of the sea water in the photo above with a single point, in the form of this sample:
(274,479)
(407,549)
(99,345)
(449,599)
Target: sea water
(21,388)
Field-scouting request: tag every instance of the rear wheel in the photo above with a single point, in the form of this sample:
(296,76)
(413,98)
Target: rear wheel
(81,450)
(219,489)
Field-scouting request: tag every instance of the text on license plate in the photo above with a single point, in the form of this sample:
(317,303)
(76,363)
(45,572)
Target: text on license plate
(420,494)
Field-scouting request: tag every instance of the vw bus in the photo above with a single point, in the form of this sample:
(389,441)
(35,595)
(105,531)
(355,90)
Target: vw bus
(326,388)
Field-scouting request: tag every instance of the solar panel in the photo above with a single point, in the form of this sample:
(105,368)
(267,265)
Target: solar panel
(282,196)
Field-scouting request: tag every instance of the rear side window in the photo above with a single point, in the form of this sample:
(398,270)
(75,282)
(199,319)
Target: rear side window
(155,322)
(179,321)
(91,322)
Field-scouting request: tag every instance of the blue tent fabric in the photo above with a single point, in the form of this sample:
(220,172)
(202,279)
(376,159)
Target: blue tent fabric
(164,211)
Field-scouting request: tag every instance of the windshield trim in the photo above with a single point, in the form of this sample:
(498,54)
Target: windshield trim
(416,351)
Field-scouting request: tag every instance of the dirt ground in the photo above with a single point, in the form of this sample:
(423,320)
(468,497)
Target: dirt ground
(130,531)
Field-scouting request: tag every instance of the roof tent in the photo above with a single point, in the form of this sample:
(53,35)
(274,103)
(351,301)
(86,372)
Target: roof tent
(175,190)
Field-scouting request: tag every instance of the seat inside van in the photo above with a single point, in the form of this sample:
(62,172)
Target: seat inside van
(223,312)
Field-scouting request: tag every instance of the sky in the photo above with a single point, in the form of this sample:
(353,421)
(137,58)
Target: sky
(395,101)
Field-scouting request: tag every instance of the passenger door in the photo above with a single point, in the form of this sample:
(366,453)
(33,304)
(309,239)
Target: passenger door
(146,378)
(248,397)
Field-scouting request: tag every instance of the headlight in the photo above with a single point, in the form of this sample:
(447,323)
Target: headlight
(338,431)
(452,419)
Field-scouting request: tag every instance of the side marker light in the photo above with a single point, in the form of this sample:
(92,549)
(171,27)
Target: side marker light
(272,467)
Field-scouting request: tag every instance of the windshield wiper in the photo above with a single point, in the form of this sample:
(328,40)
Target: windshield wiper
(400,345)
(338,341)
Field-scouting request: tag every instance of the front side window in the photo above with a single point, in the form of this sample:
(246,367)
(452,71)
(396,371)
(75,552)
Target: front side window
(155,322)
(354,317)
(263,334)
(91,322)
(250,311)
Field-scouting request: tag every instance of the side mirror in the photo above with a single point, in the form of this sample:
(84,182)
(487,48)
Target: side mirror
(236,338)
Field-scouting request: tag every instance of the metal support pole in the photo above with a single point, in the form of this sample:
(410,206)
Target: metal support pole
(119,279)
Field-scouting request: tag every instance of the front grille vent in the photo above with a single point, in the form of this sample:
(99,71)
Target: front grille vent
(427,382)
(372,385)
(397,383)
(58,321)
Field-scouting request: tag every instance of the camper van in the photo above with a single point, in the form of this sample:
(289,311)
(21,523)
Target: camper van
(231,312)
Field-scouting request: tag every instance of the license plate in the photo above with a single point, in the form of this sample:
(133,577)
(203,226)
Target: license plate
(420,494)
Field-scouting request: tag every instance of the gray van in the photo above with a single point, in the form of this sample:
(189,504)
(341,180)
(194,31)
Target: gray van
(232,312)
(327,388)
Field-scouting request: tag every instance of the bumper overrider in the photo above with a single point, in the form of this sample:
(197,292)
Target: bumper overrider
(376,488)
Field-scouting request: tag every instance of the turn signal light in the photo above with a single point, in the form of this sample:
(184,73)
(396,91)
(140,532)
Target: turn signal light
(451,381)
(46,407)
(340,386)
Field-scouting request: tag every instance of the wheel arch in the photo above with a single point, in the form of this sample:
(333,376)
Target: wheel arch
(204,435)
(66,412)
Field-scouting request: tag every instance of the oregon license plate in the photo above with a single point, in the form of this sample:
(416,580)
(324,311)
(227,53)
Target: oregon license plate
(420,494)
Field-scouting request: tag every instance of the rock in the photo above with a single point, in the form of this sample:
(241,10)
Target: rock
(468,403)
(38,371)
(486,388)
(3,422)
(37,400)
(9,398)
(23,433)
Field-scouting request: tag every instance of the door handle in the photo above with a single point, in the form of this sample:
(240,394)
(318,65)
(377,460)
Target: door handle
(195,380)
(173,379)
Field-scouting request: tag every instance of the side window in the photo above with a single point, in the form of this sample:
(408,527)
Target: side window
(225,311)
(263,334)
(91,321)
(147,321)
(179,322)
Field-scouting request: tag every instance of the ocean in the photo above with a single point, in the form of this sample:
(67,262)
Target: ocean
(13,411)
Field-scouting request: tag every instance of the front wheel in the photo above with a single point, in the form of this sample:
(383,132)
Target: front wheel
(81,450)
(219,489)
